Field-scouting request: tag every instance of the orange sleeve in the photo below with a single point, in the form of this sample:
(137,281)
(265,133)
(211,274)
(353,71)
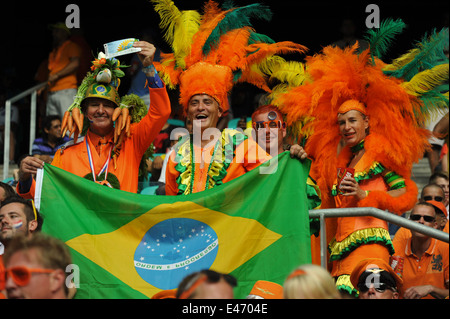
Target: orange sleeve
(30,193)
(149,127)
(171,176)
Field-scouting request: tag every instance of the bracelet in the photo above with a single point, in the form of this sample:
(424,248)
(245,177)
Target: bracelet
(150,70)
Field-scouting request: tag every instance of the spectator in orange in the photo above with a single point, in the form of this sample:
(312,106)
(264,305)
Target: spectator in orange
(98,105)
(441,178)
(441,215)
(375,279)
(269,131)
(434,194)
(63,63)
(422,261)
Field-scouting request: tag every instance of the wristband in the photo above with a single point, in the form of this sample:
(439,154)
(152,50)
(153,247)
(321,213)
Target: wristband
(150,70)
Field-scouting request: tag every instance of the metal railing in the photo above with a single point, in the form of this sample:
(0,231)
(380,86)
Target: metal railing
(33,92)
(368,211)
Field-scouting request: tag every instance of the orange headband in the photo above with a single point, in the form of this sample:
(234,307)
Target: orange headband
(352,105)
(187,293)
(295,273)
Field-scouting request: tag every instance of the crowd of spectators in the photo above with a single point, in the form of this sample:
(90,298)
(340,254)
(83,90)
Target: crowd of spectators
(32,265)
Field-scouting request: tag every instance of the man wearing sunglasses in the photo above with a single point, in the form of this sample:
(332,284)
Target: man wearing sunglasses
(35,268)
(375,279)
(207,284)
(434,194)
(441,179)
(433,191)
(422,261)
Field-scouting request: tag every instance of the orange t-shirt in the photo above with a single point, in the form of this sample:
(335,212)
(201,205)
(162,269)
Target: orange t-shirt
(58,59)
(249,155)
(431,269)
(74,159)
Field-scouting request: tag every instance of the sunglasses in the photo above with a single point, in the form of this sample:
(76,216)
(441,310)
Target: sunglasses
(417,217)
(379,287)
(436,198)
(269,124)
(21,275)
(206,276)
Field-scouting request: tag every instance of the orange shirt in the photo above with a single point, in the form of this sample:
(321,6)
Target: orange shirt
(431,269)
(74,159)
(58,59)
(248,156)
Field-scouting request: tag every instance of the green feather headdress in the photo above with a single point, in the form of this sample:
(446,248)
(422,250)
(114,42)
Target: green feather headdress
(425,72)
(424,69)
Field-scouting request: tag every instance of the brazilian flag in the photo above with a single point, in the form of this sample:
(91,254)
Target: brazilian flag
(127,245)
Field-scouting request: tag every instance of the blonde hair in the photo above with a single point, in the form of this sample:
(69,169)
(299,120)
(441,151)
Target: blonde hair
(313,282)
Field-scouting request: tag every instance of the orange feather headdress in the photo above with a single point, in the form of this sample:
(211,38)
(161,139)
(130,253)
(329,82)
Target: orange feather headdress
(395,103)
(213,51)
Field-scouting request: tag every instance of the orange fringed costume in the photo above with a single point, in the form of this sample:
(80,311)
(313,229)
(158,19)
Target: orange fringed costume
(395,142)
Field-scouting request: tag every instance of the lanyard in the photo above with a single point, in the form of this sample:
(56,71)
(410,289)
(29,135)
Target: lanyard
(91,163)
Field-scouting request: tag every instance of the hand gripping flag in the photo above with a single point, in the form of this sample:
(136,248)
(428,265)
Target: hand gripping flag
(127,245)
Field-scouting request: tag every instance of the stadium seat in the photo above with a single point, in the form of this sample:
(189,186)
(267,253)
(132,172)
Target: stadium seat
(150,190)
(176,122)
(233,123)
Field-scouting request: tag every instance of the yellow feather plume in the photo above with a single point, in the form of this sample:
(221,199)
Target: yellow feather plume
(169,14)
(402,60)
(291,72)
(427,80)
(180,28)
(189,25)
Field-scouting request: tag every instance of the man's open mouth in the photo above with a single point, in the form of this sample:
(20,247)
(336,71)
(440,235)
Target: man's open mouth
(201,116)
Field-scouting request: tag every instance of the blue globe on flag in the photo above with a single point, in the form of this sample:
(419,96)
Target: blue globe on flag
(173,249)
